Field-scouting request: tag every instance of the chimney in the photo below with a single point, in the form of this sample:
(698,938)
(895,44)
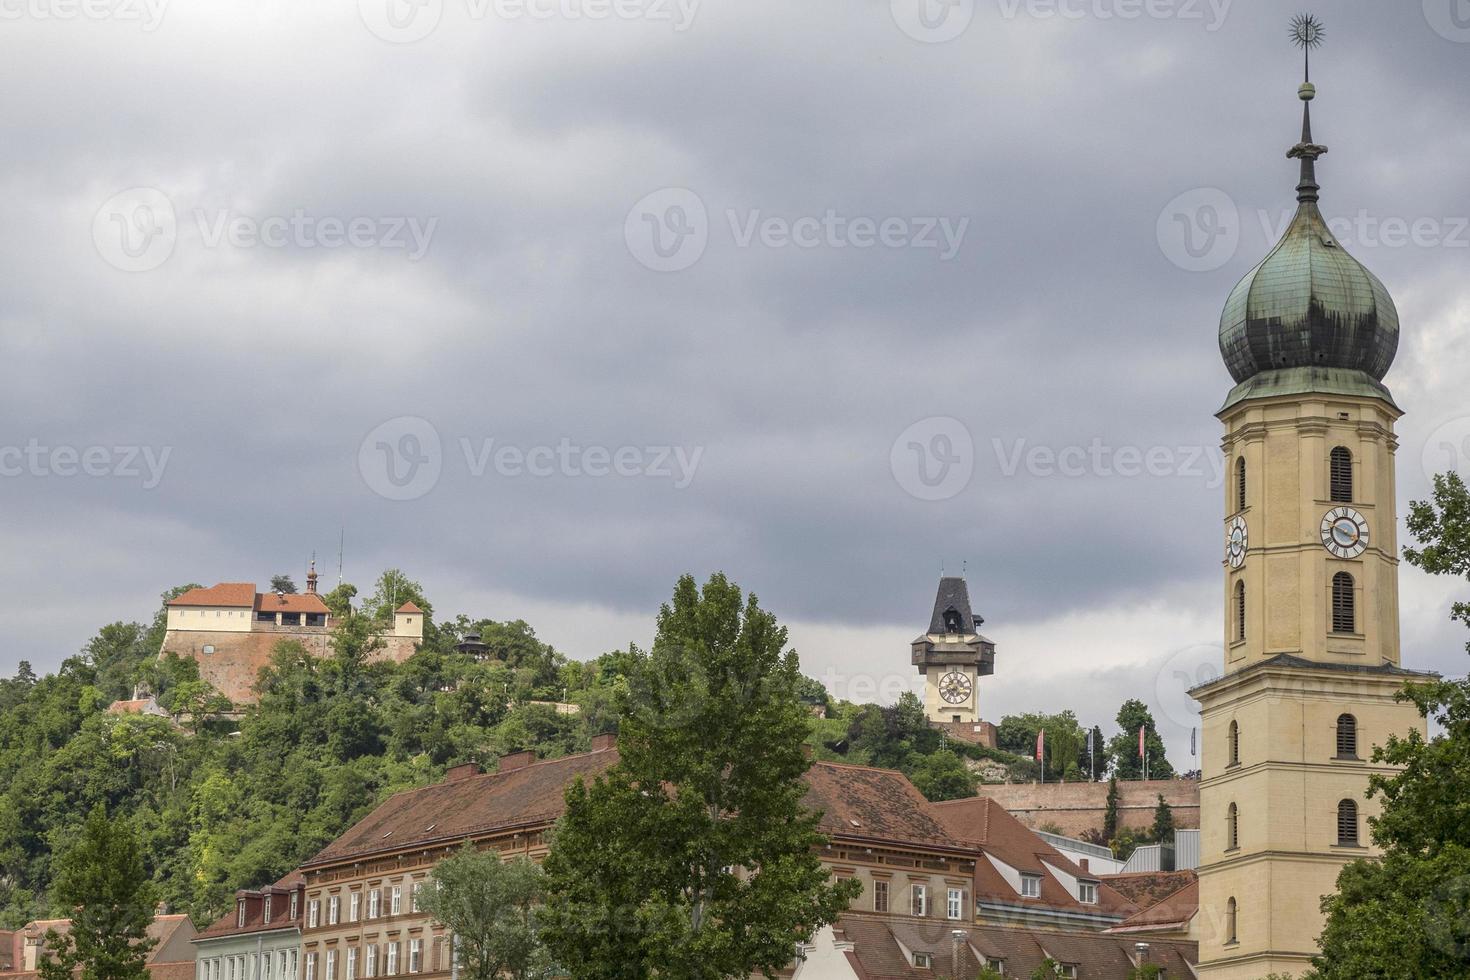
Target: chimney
(1083,864)
(605,741)
(958,941)
(462,771)
(1142,949)
(517,760)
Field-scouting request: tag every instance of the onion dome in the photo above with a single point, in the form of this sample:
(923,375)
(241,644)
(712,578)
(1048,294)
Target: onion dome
(1309,317)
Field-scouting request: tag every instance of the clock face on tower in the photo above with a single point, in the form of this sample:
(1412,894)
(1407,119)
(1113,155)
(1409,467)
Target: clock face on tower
(955,687)
(1236,539)
(1344,532)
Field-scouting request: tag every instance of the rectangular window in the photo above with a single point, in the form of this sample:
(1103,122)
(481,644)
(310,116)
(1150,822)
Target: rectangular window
(310,967)
(395,904)
(1087,892)
(956,904)
(354,905)
(334,909)
(919,903)
(351,963)
(996,966)
(1068,970)
(392,959)
(415,955)
(265,967)
(1031,886)
(292,971)
(331,965)
(413,895)
(923,960)
(375,899)
(313,914)
(266,914)
(880,896)
(293,904)
(370,967)
(240,912)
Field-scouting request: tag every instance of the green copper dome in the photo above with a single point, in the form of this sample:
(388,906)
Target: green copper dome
(1309,313)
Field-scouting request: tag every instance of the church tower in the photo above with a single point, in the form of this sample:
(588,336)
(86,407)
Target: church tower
(1311,654)
(953,656)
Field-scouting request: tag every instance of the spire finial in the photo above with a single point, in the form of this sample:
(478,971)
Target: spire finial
(1307,33)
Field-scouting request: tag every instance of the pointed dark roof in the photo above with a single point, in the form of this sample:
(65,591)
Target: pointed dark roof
(953,594)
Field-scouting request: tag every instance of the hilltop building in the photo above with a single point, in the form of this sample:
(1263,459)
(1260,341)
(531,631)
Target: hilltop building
(1310,581)
(231,630)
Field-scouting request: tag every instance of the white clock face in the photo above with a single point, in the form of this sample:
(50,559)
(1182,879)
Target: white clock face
(1344,532)
(1236,541)
(955,687)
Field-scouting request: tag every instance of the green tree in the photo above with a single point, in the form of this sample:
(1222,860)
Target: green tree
(1066,742)
(694,856)
(1408,913)
(101,884)
(490,906)
(283,583)
(392,590)
(1123,749)
(1110,813)
(943,776)
(1162,831)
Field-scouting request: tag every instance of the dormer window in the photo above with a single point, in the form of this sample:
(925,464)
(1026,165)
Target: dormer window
(240,913)
(1087,892)
(265,914)
(1030,886)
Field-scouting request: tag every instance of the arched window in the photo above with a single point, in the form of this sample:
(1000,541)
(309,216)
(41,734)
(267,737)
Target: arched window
(1231,936)
(1341,482)
(1347,823)
(1232,828)
(1234,743)
(1240,483)
(1239,609)
(1347,737)
(1344,604)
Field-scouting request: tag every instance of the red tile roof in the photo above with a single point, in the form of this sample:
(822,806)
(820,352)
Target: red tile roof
(874,804)
(234,594)
(302,602)
(1172,912)
(1145,888)
(281,918)
(408,607)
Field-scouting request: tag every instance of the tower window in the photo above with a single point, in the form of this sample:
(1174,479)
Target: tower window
(1232,828)
(1347,737)
(1342,475)
(1230,933)
(1347,823)
(1344,611)
(1239,609)
(1240,483)
(1234,741)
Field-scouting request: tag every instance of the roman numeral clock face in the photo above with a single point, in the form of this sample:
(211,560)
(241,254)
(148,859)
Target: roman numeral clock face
(1236,541)
(1345,532)
(955,688)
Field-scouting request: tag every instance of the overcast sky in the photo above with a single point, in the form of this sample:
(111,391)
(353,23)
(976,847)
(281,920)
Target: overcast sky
(549,301)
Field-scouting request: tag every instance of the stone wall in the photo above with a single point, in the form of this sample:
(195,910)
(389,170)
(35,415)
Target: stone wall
(235,659)
(1077,807)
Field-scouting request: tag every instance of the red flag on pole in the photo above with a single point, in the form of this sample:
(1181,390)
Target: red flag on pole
(1040,745)
(1141,743)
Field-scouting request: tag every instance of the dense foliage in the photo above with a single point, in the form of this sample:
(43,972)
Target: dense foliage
(221,804)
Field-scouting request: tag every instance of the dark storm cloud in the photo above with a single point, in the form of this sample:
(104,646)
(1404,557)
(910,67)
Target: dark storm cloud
(1060,322)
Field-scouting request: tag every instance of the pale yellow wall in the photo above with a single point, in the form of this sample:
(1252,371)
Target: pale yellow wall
(409,625)
(209,619)
(938,709)
(1288,574)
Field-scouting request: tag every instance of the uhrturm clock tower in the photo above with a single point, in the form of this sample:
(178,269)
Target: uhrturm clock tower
(953,656)
(1311,658)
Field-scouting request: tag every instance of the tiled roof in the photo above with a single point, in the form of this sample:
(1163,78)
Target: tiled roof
(986,822)
(237,594)
(229,923)
(408,607)
(857,801)
(884,947)
(1145,888)
(1173,911)
(291,602)
(474,805)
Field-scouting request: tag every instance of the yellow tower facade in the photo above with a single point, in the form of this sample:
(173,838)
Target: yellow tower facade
(1311,632)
